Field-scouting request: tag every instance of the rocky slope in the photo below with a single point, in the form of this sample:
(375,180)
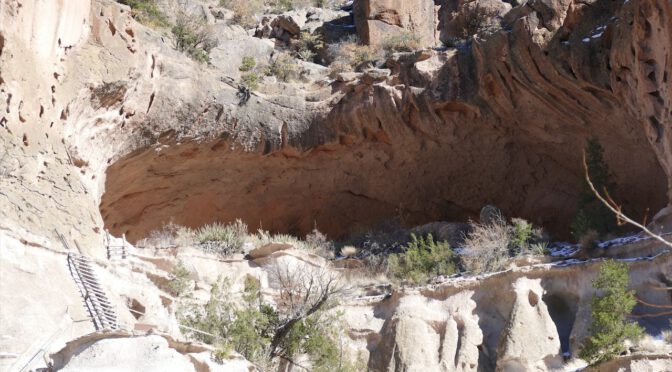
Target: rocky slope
(103,124)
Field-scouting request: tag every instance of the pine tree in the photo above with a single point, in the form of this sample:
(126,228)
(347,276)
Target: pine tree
(591,213)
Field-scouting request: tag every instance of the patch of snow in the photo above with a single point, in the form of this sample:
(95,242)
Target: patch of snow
(597,35)
(586,40)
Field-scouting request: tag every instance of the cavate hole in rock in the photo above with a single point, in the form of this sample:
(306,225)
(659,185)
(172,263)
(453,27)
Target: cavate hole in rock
(533,298)
(562,310)
(137,309)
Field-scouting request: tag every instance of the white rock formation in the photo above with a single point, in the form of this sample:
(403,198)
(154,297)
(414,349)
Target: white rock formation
(530,341)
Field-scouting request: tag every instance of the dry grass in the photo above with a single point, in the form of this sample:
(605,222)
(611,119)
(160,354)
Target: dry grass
(349,54)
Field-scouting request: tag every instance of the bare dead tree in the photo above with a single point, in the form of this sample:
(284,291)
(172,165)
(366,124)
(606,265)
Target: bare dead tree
(616,209)
(303,290)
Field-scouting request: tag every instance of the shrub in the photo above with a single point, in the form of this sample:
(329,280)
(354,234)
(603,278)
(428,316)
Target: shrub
(610,307)
(250,80)
(193,36)
(284,67)
(487,247)
(539,249)
(244,10)
(299,326)
(308,45)
(481,21)
(592,214)
(490,245)
(223,239)
(421,259)
(521,234)
(349,54)
(404,42)
(147,12)
(180,284)
(247,64)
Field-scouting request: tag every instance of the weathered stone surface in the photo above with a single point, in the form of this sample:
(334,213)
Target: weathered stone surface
(377,20)
(267,250)
(530,340)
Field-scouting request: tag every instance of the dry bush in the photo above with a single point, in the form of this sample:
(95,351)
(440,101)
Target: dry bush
(222,239)
(404,42)
(482,22)
(285,68)
(349,55)
(244,11)
(170,235)
(487,247)
(193,36)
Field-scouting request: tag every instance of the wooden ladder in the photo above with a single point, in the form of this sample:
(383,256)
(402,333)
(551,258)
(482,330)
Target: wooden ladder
(100,310)
(98,306)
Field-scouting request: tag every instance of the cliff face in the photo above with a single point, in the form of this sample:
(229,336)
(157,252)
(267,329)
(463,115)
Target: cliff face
(104,125)
(502,120)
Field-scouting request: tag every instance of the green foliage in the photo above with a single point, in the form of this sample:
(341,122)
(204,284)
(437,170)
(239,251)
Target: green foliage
(422,258)
(610,308)
(250,328)
(539,249)
(250,80)
(592,214)
(147,12)
(247,64)
(180,284)
(228,238)
(193,36)
(520,235)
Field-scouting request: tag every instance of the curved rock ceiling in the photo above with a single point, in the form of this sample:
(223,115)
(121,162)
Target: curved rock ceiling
(503,122)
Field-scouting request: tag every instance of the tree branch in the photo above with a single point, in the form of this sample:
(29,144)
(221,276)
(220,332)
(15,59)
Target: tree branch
(617,210)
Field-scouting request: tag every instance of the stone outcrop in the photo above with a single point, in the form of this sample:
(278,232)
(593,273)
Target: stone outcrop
(378,20)
(530,339)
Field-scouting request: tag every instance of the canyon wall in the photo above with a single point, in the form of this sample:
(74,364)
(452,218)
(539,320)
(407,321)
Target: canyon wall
(501,120)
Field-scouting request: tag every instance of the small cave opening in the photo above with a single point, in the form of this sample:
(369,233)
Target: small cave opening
(562,309)
(136,308)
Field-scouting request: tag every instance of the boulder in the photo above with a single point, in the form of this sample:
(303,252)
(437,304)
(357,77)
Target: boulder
(375,75)
(379,20)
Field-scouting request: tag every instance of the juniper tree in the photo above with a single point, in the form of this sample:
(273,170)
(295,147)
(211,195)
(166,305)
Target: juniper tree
(610,307)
